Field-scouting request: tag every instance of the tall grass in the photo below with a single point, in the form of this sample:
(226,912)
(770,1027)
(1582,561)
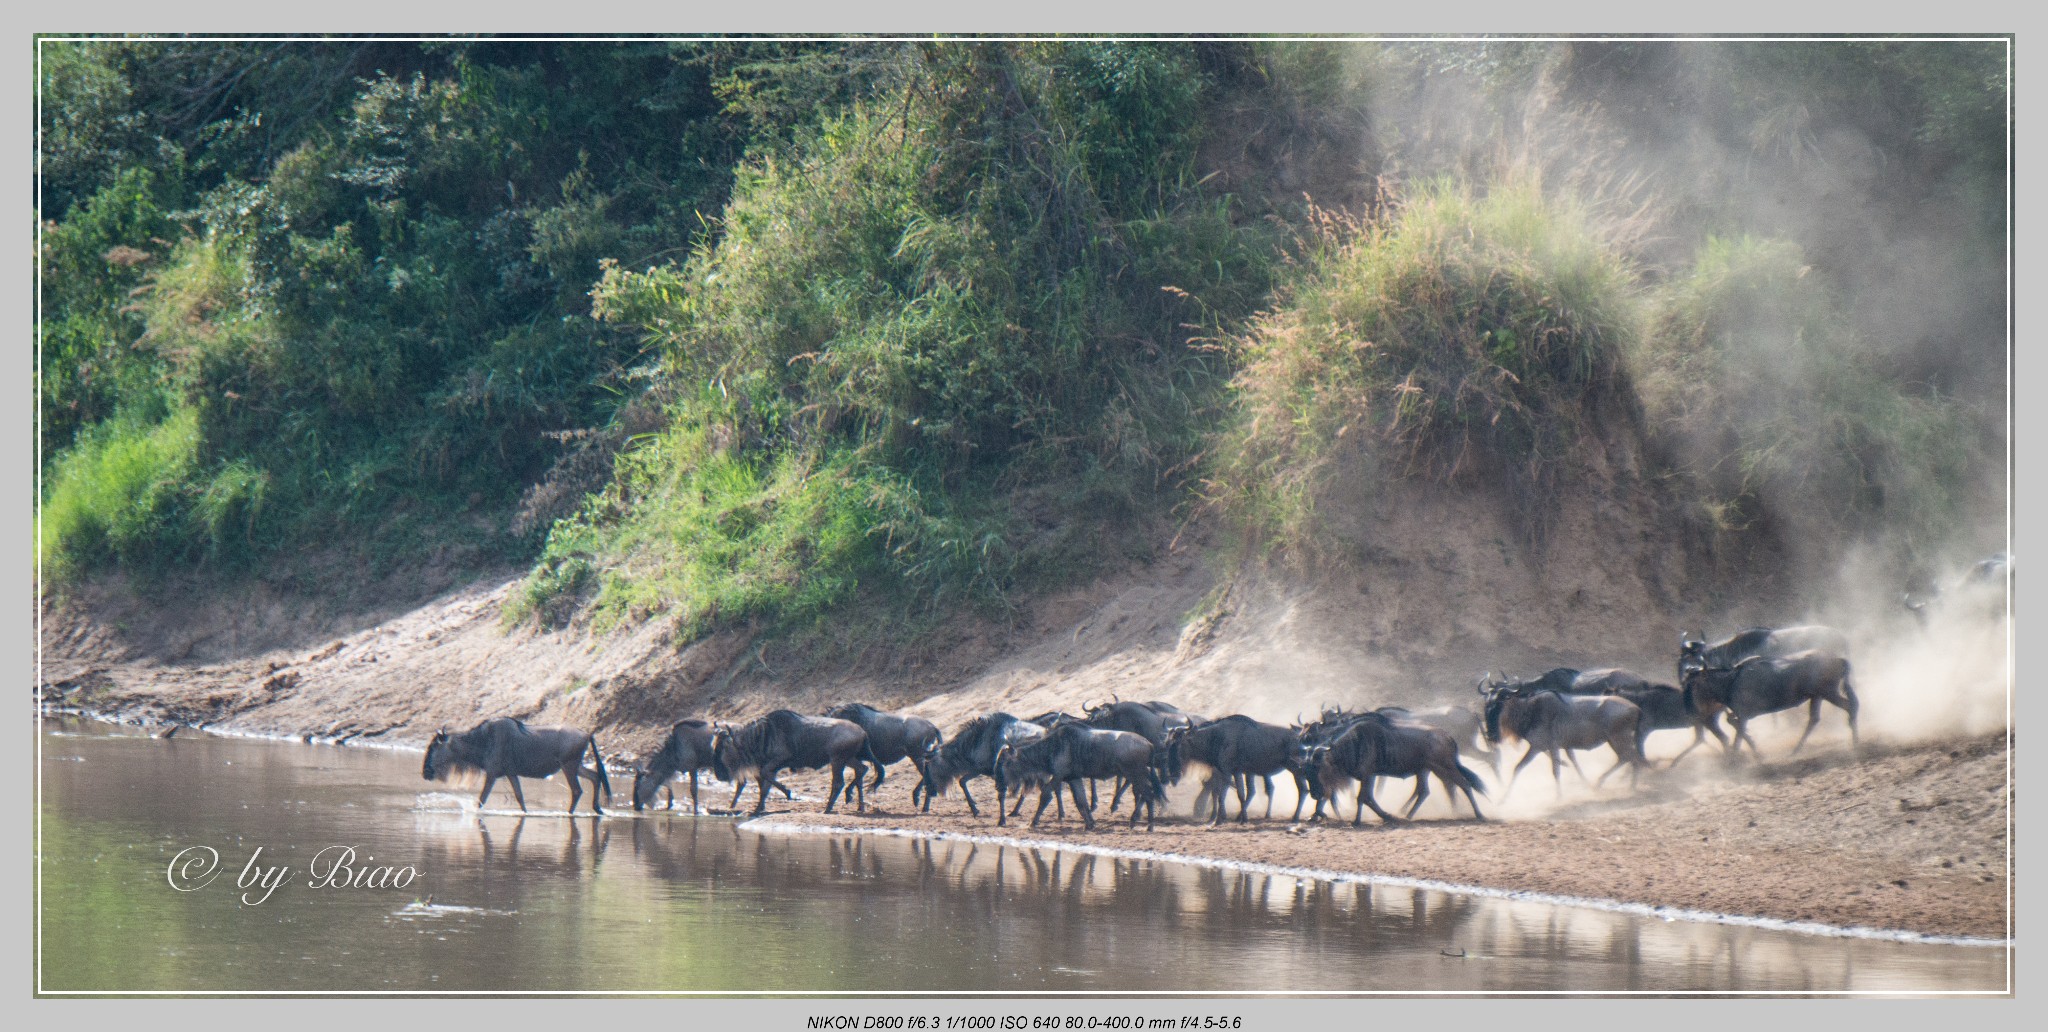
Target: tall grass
(1463,332)
(116,489)
(1782,415)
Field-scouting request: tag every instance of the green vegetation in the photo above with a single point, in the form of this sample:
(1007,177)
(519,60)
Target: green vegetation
(752,332)
(1754,370)
(1458,334)
(927,314)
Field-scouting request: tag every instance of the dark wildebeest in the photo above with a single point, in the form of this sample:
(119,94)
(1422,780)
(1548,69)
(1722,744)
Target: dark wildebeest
(1693,650)
(1663,706)
(1460,722)
(1550,720)
(890,737)
(507,748)
(1073,752)
(788,740)
(1768,685)
(1303,761)
(687,751)
(971,753)
(1233,746)
(1149,720)
(1381,744)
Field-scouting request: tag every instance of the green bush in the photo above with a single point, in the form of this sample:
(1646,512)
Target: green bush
(1462,333)
(1782,415)
(117,491)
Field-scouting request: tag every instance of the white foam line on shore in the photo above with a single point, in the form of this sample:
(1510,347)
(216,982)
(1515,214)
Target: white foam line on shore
(1614,906)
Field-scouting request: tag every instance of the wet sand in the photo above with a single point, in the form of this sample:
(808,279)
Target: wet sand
(1900,837)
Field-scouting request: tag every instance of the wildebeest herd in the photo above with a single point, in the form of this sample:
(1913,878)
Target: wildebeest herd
(1145,747)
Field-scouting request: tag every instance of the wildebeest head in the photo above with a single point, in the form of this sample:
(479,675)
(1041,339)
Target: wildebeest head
(1497,698)
(439,758)
(724,753)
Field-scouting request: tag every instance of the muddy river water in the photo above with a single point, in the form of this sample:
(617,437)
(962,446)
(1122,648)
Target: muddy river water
(210,864)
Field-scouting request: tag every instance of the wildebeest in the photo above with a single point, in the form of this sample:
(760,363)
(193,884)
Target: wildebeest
(506,748)
(1072,752)
(1982,588)
(1693,651)
(1762,684)
(1663,706)
(971,753)
(687,750)
(1149,720)
(1550,720)
(1232,746)
(1381,744)
(890,737)
(1463,725)
(788,740)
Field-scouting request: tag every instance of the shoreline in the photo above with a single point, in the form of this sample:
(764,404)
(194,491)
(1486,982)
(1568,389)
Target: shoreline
(766,826)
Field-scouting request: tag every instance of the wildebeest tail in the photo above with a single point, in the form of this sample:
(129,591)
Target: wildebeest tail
(597,760)
(1472,779)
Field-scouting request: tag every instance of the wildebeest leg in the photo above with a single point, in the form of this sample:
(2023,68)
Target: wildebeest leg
(739,785)
(1268,779)
(1619,759)
(1116,794)
(516,793)
(767,777)
(1046,794)
(572,772)
(970,799)
(1451,790)
(1365,797)
(1214,789)
(1850,705)
(1572,755)
(1741,725)
(1421,793)
(694,808)
(1081,803)
(838,784)
(1526,757)
(489,781)
(1699,732)
(1812,718)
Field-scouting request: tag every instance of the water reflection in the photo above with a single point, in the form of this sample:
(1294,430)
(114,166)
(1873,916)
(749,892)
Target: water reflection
(550,902)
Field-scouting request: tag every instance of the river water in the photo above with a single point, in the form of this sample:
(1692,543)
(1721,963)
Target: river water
(494,901)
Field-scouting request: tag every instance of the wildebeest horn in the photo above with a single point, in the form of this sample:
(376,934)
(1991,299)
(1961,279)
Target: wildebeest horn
(1087,707)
